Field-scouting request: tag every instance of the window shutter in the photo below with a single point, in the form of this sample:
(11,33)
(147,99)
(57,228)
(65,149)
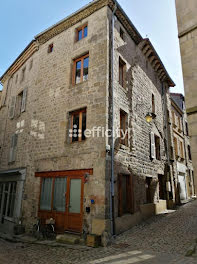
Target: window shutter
(23,105)
(13,148)
(152,139)
(12,107)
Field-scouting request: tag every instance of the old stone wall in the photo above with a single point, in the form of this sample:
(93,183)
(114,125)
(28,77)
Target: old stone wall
(43,143)
(135,99)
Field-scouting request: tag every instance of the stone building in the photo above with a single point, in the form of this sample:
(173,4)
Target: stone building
(182,149)
(187,28)
(57,103)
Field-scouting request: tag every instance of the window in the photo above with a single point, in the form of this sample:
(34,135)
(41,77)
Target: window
(12,107)
(122,72)
(181,150)
(78,125)
(50,48)
(123,128)
(186,129)
(7,198)
(21,101)
(16,80)
(173,117)
(125,195)
(46,194)
(180,124)
(153,104)
(82,32)
(176,146)
(80,72)
(12,154)
(171,153)
(121,33)
(52,195)
(157,147)
(189,152)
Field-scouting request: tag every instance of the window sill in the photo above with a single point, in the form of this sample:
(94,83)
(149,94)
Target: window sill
(10,219)
(124,148)
(73,142)
(80,83)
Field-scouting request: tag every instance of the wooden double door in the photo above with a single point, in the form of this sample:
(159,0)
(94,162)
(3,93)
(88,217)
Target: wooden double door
(61,198)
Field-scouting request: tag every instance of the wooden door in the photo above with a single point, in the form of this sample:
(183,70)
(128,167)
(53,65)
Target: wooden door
(74,205)
(61,198)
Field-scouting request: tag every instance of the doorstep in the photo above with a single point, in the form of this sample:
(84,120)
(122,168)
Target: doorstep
(31,240)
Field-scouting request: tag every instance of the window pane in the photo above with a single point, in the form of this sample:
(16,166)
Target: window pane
(85,68)
(121,74)
(78,72)
(80,34)
(75,127)
(12,199)
(59,201)
(46,193)
(75,196)
(83,125)
(85,31)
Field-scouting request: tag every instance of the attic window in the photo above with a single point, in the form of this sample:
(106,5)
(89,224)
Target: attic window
(82,32)
(50,48)
(121,33)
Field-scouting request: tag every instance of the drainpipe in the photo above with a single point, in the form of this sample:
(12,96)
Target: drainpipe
(112,217)
(167,137)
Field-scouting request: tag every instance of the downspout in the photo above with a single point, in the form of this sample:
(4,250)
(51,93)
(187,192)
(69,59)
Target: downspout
(169,176)
(112,217)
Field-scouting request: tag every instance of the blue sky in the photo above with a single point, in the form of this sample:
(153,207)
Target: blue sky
(21,20)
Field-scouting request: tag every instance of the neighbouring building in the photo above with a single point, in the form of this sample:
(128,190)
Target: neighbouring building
(60,88)
(182,150)
(187,28)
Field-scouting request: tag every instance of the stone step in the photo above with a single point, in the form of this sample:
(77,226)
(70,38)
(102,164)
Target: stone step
(70,239)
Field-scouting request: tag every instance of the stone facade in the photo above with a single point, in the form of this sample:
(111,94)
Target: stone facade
(185,181)
(187,28)
(41,142)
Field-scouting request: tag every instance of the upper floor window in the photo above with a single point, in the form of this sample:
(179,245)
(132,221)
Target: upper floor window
(78,125)
(50,48)
(123,128)
(121,33)
(80,72)
(176,146)
(153,104)
(82,32)
(186,129)
(189,152)
(18,104)
(180,124)
(122,72)
(21,101)
(155,146)
(181,150)
(12,154)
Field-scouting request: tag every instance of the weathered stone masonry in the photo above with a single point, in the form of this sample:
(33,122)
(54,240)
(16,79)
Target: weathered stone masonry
(43,128)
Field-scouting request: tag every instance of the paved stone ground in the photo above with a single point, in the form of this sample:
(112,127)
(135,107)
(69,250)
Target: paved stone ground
(162,239)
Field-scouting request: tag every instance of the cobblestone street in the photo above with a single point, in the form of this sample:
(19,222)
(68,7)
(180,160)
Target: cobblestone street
(161,239)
